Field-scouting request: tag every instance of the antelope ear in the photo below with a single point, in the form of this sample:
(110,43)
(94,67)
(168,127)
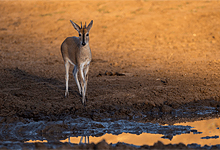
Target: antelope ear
(89,26)
(75,26)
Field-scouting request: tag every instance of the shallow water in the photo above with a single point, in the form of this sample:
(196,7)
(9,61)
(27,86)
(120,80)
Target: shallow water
(204,132)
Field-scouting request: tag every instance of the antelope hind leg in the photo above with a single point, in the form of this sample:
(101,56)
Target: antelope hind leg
(75,75)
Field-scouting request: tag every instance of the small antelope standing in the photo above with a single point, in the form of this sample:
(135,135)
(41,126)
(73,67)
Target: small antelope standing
(76,51)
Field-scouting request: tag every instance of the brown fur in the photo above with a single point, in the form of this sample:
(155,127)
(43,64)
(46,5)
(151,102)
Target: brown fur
(76,51)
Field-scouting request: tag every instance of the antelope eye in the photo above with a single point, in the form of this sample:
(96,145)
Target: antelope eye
(87,34)
(79,34)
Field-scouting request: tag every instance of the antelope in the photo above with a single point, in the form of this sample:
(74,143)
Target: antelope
(76,51)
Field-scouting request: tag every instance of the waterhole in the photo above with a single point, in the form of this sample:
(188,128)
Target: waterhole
(204,132)
(83,130)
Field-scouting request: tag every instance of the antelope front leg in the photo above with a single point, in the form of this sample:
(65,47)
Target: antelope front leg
(82,81)
(86,70)
(67,66)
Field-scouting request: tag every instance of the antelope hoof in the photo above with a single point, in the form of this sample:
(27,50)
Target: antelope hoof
(66,94)
(83,103)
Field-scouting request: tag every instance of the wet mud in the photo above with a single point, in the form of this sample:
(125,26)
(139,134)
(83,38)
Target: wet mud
(151,63)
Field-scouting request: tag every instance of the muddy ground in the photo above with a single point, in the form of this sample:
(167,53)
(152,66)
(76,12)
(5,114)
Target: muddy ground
(152,60)
(118,146)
